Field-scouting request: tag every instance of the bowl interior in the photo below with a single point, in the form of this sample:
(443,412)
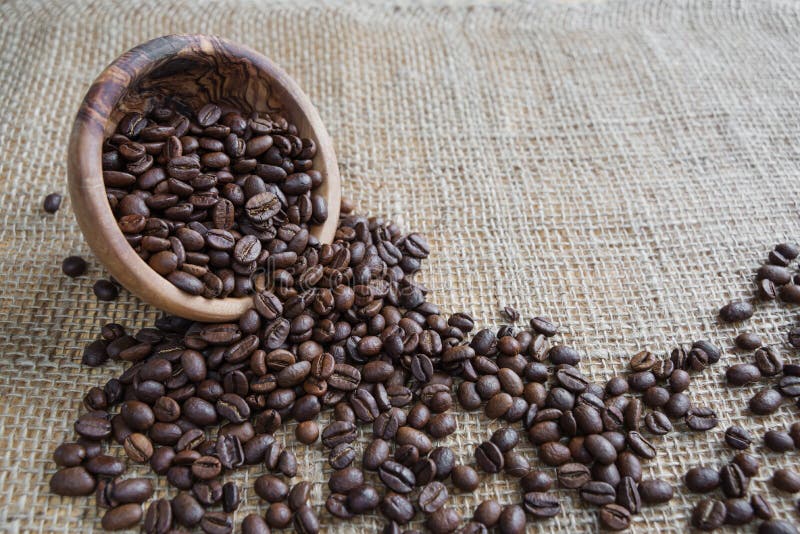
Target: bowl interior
(188,71)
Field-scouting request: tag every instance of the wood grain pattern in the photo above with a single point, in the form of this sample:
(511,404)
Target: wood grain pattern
(194,70)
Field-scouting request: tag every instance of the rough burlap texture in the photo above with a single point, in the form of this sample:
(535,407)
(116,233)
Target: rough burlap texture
(621,168)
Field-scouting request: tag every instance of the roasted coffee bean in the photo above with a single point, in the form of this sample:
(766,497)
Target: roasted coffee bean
(615,517)
(733,481)
(735,312)
(489,457)
(432,497)
(52,202)
(658,423)
(738,438)
(488,513)
(573,475)
(73,266)
(628,495)
(230,497)
(768,361)
(702,479)
(748,341)
(443,520)
(216,523)
(748,463)
(512,520)
(742,374)
(709,514)
(306,520)
(541,505)
(761,508)
(158,519)
(765,402)
(397,477)
(655,491)
(640,446)
(536,481)
(122,517)
(778,441)
(344,480)
(397,508)
(786,480)
(278,515)
(271,488)
(544,326)
(597,493)
(642,361)
(738,512)
(138,447)
(465,478)
(186,510)
(72,481)
(701,418)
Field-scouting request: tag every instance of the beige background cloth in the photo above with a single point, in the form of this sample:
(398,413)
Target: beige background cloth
(621,168)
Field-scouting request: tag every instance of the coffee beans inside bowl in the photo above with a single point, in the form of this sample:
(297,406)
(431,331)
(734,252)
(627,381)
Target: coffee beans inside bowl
(209,196)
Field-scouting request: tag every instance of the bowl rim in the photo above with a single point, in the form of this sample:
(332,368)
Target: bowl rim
(87,189)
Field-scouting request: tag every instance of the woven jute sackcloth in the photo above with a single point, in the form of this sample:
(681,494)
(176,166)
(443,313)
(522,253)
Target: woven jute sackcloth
(620,167)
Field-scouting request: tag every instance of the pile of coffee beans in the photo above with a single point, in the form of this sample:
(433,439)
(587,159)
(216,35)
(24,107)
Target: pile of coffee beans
(209,196)
(346,328)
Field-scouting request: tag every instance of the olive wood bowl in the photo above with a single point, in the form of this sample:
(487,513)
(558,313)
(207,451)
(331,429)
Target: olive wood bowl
(193,69)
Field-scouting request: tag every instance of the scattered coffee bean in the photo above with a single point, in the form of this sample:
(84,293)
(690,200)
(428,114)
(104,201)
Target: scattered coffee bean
(52,202)
(736,311)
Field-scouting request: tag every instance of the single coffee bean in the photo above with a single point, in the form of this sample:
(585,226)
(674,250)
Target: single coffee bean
(488,513)
(489,457)
(615,517)
(761,508)
(541,505)
(397,508)
(443,520)
(778,441)
(742,374)
(362,499)
(702,479)
(72,481)
(655,491)
(701,418)
(131,490)
(52,202)
(465,478)
(74,266)
(748,463)
(105,290)
(278,515)
(709,514)
(306,520)
(122,517)
(432,497)
(397,477)
(768,361)
(186,510)
(597,493)
(738,512)
(628,495)
(765,402)
(512,520)
(158,519)
(538,481)
(748,341)
(658,423)
(736,311)
(738,438)
(786,480)
(733,481)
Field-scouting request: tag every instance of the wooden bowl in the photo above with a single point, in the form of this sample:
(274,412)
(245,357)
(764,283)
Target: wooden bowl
(198,69)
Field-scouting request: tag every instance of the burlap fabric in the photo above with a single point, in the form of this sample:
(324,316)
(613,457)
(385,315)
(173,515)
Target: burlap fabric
(620,167)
